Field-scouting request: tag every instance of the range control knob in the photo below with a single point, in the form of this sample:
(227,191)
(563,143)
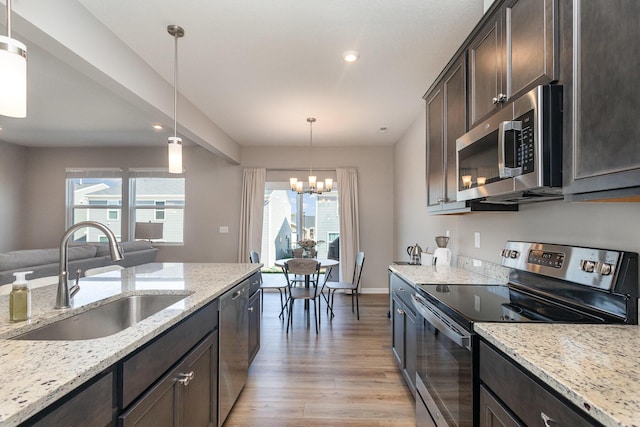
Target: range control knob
(587,266)
(514,254)
(605,269)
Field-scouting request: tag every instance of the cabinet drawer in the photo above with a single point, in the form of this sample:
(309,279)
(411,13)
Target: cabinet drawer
(92,406)
(527,399)
(147,365)
(402,290)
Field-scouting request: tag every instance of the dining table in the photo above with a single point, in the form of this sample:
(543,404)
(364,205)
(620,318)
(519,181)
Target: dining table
(327,263)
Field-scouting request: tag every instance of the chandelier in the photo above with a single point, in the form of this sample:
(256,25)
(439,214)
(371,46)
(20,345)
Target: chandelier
(315,186)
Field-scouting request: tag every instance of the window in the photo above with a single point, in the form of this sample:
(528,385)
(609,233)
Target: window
(98,195)
(289,217)
(156,197)
(94,195)
(159,210)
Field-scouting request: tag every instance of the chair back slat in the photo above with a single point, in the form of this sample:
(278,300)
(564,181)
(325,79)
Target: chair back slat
(357,270)
(302,266)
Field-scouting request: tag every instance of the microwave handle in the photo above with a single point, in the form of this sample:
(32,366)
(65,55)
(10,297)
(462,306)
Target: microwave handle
(504,171)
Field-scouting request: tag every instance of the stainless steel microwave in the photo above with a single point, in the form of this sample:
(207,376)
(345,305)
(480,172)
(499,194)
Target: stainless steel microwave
(515,156)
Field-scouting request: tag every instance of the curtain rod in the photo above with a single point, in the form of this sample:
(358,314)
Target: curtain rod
(300,169)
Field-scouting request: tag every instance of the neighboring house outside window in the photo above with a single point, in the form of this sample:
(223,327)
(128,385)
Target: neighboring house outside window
(97,195)
(159,197)
(94,195)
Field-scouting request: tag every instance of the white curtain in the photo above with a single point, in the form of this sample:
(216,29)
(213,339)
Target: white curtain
(349,220)
(251,212)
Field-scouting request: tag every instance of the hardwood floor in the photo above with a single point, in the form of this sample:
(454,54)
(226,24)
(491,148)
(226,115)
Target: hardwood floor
(344,376)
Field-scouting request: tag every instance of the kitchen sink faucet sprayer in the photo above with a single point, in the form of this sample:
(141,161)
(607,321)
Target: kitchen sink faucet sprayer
(64,294)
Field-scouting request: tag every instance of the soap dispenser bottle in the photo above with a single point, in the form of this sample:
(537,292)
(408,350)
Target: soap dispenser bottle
(20,298)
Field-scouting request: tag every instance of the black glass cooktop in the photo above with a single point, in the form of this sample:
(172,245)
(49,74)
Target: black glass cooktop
(467,304)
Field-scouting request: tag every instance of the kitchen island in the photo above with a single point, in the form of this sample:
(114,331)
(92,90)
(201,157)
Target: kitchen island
(37,373)
(595,367)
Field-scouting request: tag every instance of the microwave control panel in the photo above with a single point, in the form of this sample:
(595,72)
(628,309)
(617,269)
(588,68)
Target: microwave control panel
(523,154)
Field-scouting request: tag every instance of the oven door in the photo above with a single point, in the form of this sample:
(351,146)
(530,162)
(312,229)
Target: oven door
(444,378)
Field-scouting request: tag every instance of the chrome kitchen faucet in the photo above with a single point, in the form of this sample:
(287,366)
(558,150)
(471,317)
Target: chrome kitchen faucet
(64,293)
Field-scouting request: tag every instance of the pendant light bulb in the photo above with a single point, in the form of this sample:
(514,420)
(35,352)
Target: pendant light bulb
(13,74)
(175,143)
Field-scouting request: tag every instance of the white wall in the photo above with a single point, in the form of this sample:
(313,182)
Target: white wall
(606,225)
(13,201)
(375,182)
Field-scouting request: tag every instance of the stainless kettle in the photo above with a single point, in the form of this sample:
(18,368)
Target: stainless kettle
(415,252)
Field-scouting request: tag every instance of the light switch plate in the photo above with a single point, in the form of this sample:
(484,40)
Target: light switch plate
(223,229)
(476,239)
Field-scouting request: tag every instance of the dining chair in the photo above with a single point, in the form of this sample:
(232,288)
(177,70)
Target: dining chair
(254,258)
(310,269)
(353,286)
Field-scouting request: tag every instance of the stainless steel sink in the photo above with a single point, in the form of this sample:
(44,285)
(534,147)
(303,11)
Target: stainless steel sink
(103,320)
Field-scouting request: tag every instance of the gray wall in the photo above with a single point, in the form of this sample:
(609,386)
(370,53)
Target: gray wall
(13,201)
(607,225)
(212,199)
(375,189)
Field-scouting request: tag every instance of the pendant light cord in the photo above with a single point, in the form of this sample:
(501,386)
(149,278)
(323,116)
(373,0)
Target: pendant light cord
(310,146)
(9,18)
(175,86)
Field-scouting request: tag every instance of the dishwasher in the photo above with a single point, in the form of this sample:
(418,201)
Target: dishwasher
(234,347)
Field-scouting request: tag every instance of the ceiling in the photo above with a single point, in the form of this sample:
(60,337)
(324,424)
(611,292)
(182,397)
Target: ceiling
(256,69)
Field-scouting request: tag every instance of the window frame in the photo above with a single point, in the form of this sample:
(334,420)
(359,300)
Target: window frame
(154,173)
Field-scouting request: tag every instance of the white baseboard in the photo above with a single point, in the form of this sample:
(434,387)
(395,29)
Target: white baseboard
(374,291)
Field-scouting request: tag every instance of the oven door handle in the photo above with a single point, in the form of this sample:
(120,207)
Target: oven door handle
(440,322)
(504,171)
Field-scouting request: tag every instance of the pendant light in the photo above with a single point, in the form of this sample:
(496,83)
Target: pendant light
(13,74)
(315,186)
(175,143)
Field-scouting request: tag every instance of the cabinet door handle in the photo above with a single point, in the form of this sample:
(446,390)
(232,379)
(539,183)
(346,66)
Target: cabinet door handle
(400,312)
(185,379)
(443,200)
(250,308)
(548,422)
(499,99)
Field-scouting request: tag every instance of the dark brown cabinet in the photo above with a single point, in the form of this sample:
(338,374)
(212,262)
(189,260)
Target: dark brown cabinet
(186,396)
(515,397)
(92,405)
(601,136)
(403,319)
(254,325)
(446,121)
(493,413)
(515,49)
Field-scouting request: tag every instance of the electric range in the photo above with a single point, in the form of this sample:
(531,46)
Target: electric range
(547,283)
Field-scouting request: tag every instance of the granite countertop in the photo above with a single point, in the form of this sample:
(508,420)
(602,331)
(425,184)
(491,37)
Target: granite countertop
(594,366)
(37,373)
(443,275)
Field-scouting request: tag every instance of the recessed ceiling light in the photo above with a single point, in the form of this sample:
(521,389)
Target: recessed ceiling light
(157,127)
(351,55)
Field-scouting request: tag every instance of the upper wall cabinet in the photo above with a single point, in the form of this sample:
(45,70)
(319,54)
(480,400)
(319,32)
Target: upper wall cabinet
(446,121)
(601,134)
(514,50)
